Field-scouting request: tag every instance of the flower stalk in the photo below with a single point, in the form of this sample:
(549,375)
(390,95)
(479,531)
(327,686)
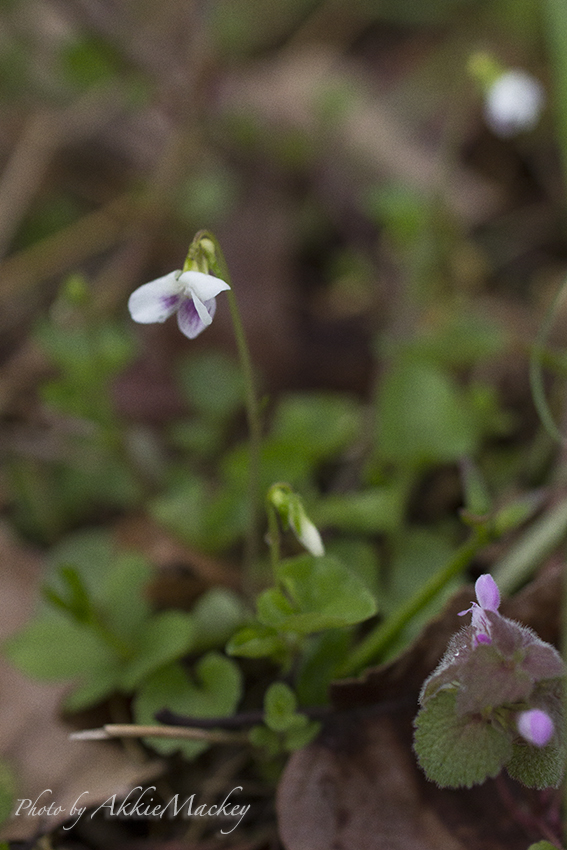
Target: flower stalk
(205,248)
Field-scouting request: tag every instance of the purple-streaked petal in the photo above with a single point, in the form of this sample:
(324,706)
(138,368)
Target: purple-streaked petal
(535,726)
(189,320)
(487,593)
(205,309)
(204,286)
(157,300)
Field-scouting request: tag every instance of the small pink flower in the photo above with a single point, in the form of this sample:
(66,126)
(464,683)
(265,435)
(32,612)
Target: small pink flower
(488,597)
(535,726)
(487,593)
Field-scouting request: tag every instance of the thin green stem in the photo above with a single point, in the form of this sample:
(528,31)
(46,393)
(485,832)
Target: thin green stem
(375,643)
(536,376)
(273,536)
(219,266)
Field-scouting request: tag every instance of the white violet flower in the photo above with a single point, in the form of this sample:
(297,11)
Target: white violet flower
(192,295)
(513,103)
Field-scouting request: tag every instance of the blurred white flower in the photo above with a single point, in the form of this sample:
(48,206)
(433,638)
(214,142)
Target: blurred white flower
(307,534)
(192,295)
(513,103)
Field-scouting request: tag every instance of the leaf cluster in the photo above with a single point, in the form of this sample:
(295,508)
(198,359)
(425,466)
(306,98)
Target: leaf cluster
(465,731)
(99,631)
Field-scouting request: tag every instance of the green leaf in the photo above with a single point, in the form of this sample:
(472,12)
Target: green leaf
(278,461)
(95,689)
(298,418)
(318,593)
(537,767)
(372,511)
(166,636)
(322,657)
(91,552)
(216,616)
(542,845)
(280,706)
(215,692)
(199,516)
(121,594)
(300,736)
(257,641)
(361,557)
(423,416)
(458,751)
(77,598)
(55,647)
(417,556)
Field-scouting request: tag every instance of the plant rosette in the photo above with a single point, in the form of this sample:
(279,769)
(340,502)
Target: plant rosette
(494,701)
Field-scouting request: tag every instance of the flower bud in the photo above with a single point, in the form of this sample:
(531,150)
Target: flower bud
(308,535)
(292,514)
(487,593)
(535,726)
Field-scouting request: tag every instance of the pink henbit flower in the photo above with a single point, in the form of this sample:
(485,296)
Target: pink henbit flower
(535,726)
(192,295)
(488,597)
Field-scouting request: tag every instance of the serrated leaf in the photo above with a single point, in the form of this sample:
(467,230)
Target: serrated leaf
(457,751)
(537,767)
(321,593)
(214,692)
(165,637)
